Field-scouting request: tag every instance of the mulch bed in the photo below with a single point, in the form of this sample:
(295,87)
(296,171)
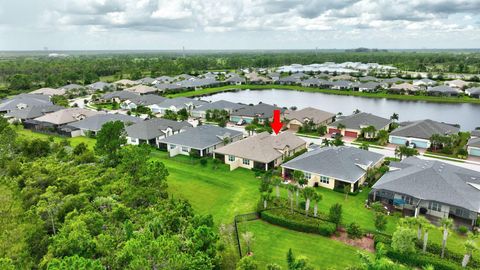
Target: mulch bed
(365,243)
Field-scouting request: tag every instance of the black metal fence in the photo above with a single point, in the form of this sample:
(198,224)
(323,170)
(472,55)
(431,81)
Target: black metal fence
(243,218)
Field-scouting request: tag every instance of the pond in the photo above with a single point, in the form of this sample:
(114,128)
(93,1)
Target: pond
(467,115)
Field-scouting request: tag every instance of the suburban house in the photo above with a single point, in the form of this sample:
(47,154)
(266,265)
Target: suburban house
(71,87)
(334,167)
(236,80)
(163,79)
(261,111)
(22,114)
(228,106)
(367,87)
(202,139)
(162,87)
(263,151)
(94,124)
(125,83)
(151,131)
(404,87)
(118,96)
(198,83)
(431,188)
(296,119)
(443,90)
(460,84)
(101,86)
(391,81)
(143,100)
(418,133)
(353,124)
(473,92)
(176,104)
(275,76)
(424,83)
(146,81)
(24,101)
(141,89)
(49,92)
(341,85)
(254,78)
(473,147)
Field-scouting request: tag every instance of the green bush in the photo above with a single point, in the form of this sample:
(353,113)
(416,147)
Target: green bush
(436,249)
(462,230)
(381,238)
(284,218)
(422,259)
(354,231)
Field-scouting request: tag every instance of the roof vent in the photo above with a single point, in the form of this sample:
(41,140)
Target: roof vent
(477,186)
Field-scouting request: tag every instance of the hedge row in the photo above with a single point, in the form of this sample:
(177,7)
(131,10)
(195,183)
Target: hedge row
(435,248)
(284,218)
(420,260)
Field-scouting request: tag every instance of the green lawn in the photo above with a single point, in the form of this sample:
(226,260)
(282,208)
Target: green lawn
(213,90)
(26,133)
(271,244)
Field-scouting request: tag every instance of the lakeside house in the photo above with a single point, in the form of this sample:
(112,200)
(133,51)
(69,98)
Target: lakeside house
(317,117)
(262,151)
(459,84)
(93,124)
(334,167)
(176,104)
(228,106)
(404,88)
(202,139)
(153,130)
(473,92)
(418,133)
(432,188)
(443,90)
(261,111)
(353,124)
(473,147)
(236,80)
(424,83)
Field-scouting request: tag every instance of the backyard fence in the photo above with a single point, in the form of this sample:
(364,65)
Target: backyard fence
(243,218)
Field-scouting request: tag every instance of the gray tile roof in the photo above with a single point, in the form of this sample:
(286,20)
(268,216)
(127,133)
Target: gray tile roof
(154,128)
(33,112)
(345,163)
(95,123)
(341,83)
(393,80)
(434,181)
(122,95)
(181,102)
(148,99)
(201,137)
(236,79)
(261,110)
(49,91)
(443,89)
(262,147)
(67,116)
(361,120)
(99,85)
(424,129)
(312,114)
(475,133)
(24,100)
(146,80)
(220,105)
(72,86)
(167,86)
(369,85)
(474,142)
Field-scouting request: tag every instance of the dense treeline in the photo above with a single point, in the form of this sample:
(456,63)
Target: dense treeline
(27,72)
(69,206)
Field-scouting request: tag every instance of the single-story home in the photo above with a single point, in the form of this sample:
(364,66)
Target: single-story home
(296,119)
(125,83)
(22,114)
(341,85)
(473,147)
(23,101)
(203,139)
(334,167)
(94,124)
(353,124)
(473,92)
(431,188)
(460,84)
(263,151)
(424,82)
(146,81)
(236,80)
(72,87)
(118,96)
(141,89)
(367,87)
(228,106)
(101,86)
(443,90)
(162,87)
(143,100)
(418,133)
(153,130)
(47,91)
(163,79)
(176,104)
(404,87)
(261,111)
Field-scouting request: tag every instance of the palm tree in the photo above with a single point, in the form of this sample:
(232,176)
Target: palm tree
(470,247)
(426,227)
(277,180)
(368,132)
(394,117)
(346,190)
(341,127)
(317,197)
(326,142)
(447,223)
(435,140)
(250,129)
(291,190)
(307,194)
(265,198)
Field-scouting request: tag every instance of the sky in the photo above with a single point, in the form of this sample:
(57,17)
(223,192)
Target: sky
(238,24)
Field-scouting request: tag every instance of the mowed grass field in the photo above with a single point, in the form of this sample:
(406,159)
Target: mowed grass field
(28,134)
(271,244)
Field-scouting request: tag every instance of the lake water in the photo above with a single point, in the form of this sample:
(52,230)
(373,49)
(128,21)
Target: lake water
(465,114)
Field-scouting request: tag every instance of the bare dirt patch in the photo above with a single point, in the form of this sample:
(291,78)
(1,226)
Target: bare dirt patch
(365,243)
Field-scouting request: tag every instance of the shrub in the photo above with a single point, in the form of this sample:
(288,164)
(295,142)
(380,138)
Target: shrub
(354,231)
(462,230)
(284,218)
(381,238)
(422,259)
(203,162)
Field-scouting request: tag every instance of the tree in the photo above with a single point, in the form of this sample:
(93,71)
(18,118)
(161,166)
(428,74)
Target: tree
(247,263)
(248,239)
(183,114)
(470,247)
(49,205)
(404,151)
(354,231)
(338,141)
(368,132)
(308,193)
(326,142)
(20,82)
(277,180)
(382,137)
(394,117)
(73,263)
(426,228)
(292,189)
(317,197)
(379,261)
(346,190)
(250,129)
(380,222)
(447,224)
(59,100)
(300,263)
(403,240)
(273,266)
(364,146)
(335,214)
(109,140)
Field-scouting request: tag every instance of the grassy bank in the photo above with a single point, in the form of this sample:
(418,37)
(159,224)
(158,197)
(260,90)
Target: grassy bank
(213,90)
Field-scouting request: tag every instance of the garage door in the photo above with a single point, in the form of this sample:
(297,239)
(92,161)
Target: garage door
(420,144)
(397,140)
(351,134)
(474,151)
(294,127)
(333,130)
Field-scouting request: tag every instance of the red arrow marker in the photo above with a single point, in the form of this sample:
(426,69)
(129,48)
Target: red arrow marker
(276,124)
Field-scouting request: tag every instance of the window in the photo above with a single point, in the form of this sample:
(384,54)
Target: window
(308,175)
(246,161)
(172,146)
(231,158)
(325,180)
(184,149)
(434,206)
(407,199)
